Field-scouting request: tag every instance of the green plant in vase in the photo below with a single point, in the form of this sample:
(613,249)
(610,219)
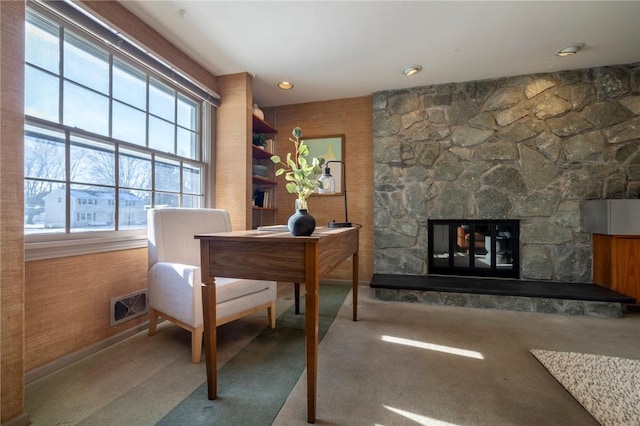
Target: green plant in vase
(301,176)
(302,180)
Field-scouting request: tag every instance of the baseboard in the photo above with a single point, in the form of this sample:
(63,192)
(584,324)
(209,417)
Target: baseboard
(37,373)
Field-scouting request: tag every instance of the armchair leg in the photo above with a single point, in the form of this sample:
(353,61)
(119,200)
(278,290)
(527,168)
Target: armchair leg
(196,344)
(153,321)
(271,312)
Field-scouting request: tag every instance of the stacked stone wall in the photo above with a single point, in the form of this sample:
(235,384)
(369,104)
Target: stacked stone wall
(530,147)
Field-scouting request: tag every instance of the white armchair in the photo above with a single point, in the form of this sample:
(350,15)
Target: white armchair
(175,288)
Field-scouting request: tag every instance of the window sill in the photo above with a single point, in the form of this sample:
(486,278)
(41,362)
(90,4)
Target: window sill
(81,245)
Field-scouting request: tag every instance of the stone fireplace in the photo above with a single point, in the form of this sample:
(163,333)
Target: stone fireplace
(528,148)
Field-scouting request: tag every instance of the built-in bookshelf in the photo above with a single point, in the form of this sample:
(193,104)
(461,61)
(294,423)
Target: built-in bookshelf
(263,180)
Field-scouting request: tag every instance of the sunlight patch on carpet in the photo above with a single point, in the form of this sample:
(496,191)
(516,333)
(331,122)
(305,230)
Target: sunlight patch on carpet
(433,347)
(418,418)
(607,387)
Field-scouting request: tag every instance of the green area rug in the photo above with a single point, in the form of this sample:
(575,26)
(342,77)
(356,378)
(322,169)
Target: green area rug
(607,387)
(253,385)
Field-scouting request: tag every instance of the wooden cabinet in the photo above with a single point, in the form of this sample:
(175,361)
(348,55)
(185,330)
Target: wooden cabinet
(263,178)
(616,263)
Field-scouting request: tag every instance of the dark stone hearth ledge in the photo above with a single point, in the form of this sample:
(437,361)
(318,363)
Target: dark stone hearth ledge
(500,287)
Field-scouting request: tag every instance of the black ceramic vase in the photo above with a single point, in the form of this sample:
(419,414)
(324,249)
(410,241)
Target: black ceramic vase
(301,223)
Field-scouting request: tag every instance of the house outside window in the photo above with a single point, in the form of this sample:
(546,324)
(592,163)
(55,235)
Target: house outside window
(106,138)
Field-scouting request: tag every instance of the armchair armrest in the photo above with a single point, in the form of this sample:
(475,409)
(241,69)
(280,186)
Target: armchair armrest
(176,290)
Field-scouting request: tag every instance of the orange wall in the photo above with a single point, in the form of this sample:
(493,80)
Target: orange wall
(67,301)
(353,118)
(233,144)
(11,211)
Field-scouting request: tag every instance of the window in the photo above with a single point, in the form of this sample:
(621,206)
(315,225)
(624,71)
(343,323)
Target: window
(105,137)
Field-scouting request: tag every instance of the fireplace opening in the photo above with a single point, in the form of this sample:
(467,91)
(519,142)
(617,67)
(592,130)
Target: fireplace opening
(488,248)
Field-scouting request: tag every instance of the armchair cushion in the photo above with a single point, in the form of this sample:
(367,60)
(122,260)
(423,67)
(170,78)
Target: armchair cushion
(177,290)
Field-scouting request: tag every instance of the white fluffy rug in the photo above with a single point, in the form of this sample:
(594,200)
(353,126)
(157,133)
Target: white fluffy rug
(607,387)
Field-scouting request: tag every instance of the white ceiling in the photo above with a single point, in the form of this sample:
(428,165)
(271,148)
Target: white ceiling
(340,49)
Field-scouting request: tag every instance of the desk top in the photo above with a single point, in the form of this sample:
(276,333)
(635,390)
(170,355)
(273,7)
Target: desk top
(275,234)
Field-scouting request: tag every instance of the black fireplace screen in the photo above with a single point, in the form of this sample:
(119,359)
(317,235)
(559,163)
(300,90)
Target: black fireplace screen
(474,247)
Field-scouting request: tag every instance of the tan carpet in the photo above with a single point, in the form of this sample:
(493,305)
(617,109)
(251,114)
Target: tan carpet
(411,364)
(438,365)
(607,387)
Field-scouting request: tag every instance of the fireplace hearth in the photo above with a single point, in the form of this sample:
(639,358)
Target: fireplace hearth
(486,248)
(502,293)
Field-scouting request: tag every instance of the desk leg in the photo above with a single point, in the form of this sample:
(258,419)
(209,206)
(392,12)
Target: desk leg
(312,318)
(354,278)
(296,295)
(210,345)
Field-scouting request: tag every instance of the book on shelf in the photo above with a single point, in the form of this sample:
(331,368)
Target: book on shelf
(259,198)
(262,199)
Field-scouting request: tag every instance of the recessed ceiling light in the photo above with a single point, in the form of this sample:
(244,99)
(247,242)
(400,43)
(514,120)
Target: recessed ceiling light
(411,70)
(570,50)
(285,85)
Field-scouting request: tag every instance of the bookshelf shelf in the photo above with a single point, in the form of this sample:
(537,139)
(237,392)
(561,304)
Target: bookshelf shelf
(263,180)
(261,153)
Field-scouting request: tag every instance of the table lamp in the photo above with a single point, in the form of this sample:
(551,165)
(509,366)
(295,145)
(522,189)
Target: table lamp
(328,186)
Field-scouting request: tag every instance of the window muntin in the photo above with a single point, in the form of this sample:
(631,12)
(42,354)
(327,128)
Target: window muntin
(95,123)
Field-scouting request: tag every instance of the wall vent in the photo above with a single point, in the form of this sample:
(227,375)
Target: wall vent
(128,307)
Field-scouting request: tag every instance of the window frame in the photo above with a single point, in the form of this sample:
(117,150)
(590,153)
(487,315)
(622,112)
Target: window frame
(52,245)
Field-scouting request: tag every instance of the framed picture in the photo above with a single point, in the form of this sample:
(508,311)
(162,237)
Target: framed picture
(331,148)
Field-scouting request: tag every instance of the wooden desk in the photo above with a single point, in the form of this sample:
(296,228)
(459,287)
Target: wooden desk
(275,256)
